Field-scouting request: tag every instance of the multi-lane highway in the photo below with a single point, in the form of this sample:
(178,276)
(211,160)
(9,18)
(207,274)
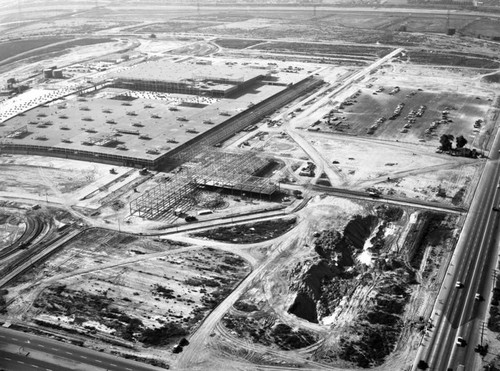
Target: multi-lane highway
(26,352)
(457,313)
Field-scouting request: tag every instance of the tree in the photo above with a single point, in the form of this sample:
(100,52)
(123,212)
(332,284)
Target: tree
(152,36)
(446,141)
(461,141)
(422,365)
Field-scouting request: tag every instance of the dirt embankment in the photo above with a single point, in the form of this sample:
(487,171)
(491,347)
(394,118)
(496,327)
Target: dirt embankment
(325,282)
(337,272)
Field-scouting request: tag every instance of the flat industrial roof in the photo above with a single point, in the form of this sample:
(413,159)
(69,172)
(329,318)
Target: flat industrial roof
(85,120)
(165,70)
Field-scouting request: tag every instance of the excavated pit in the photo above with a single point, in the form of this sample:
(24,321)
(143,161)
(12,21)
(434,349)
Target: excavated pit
(326,280)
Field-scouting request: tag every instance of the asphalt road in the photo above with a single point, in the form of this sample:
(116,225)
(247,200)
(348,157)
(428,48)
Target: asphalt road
(456,312)
(21,351)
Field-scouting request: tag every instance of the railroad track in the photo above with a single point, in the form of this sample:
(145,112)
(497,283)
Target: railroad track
(33,256)
(34,228)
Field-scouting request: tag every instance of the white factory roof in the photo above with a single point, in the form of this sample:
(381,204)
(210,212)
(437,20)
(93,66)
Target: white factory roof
(165,70)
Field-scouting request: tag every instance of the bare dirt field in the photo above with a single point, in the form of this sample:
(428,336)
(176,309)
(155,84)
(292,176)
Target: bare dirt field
(47,178)
(91,286)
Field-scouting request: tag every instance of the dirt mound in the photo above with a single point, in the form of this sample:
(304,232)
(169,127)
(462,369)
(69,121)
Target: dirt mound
(321,286)
(310,290)
(359,229)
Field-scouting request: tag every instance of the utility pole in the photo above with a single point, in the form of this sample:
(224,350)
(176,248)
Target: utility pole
(482,333)
(494,277)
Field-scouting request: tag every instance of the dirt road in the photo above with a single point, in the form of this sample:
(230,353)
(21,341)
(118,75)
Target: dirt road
(193,354)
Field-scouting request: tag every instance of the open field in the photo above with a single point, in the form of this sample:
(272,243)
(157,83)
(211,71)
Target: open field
(236,43)
(12,48)
(21,49)
(324,49)
(49,179)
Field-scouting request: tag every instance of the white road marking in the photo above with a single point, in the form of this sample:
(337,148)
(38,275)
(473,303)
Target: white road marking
(41,346)
(21,362)
(14,338)
(68,352)
(112,364)
(54,348)
(98,361)
(1,336)
(83,357)
(8,359)
(126,368)
(35,366)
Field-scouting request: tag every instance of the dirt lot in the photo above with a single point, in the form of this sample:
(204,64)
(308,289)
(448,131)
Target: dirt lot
(47,179)
(170,287)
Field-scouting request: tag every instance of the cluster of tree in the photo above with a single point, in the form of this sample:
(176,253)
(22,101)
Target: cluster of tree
(446,141)
(162,335)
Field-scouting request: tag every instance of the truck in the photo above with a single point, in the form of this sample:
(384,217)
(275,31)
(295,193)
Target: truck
(205,212)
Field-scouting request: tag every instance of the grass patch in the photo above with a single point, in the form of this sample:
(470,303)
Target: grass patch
(236,43)
(22,47)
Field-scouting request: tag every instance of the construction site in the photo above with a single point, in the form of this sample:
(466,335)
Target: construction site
(117,121)
(226,190)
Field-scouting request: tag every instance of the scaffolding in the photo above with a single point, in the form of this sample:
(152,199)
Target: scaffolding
(215,169)
(163,197)
(232,171)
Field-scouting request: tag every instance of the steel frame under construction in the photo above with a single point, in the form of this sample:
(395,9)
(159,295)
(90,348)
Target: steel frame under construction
(231,171)
(162,197)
